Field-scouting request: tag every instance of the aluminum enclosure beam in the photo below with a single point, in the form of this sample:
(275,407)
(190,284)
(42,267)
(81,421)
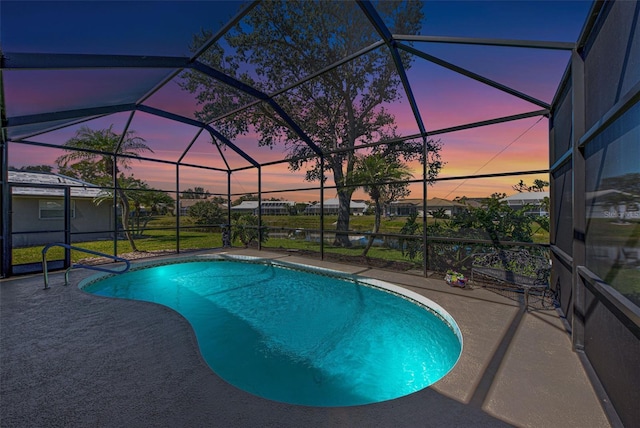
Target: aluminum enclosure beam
(473,76)
(567,46)
(384,32)
(193,122)
(67,115)
(241,86)
(36,61)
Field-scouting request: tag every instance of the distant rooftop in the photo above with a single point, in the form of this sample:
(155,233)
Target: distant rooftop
(50,184)
(527,197)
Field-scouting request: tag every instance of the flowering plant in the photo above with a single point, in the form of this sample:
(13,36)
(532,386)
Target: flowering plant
(455,279)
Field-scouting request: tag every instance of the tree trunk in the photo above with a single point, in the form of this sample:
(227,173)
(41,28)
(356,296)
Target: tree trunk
(344,202)
(125,219)
(376,228)
(136,216)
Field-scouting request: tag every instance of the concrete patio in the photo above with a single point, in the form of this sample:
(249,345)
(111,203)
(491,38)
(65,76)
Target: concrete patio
(75,360)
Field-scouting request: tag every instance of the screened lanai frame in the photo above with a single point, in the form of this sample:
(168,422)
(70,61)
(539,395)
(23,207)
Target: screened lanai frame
(597,95)
(13,126)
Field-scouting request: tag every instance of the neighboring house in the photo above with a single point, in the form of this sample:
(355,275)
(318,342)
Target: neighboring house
(613,204)
(471,202)
(185,204)
(534,199)
(449,208)
(406,207)
(331,207)
(37,205)
(246,207)
(268,207)
(277,207)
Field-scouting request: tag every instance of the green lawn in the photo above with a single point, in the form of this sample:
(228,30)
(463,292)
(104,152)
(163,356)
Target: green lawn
(152,240)
(609,232)
(298,244)
(625,280)
(362,223)
(164,239)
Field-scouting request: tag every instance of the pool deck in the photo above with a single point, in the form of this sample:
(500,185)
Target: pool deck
(70,359)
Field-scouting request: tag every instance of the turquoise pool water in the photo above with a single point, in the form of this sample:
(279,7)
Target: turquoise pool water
(295,336)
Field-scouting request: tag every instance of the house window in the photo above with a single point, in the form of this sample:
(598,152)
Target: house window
(53,209)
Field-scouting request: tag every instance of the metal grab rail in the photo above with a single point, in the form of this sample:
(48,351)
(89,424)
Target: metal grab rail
(45,269)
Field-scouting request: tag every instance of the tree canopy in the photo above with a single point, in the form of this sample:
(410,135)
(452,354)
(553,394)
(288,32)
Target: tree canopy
(384,179)
(195,193)
(32,168)
(495,220)
(96,166)
(90,157)
(342,108)
(537,186)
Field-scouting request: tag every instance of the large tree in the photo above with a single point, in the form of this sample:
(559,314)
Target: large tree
(101,166)
(385,180)
(281,42)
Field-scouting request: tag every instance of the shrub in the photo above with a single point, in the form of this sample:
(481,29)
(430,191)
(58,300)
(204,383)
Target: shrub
(207,213)
(245,228)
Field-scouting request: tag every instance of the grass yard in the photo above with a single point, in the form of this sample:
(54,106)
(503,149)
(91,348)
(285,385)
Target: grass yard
(362,223)
(607,232)
(160,234)
(153,240)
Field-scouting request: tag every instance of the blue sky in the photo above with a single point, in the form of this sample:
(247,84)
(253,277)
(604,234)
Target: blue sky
(109,27)
(165,27)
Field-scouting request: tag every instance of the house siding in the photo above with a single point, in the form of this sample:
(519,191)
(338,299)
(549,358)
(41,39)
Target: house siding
(91,222)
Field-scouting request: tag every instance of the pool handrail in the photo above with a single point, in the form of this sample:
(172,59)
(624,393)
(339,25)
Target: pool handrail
(45,269)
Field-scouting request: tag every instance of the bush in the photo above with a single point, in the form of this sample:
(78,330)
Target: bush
(245,228)
(207,213)
(494,222)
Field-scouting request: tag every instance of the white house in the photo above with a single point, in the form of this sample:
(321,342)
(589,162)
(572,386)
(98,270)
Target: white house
(37,209)
(534,199)
(331,207)
(268,207)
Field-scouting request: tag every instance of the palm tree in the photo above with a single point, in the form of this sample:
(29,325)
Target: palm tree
(106,161)
(384,179)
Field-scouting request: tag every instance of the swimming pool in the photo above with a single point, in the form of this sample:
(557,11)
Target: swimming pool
(297,334)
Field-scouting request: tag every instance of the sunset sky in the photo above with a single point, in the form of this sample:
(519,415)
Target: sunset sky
(444,98)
